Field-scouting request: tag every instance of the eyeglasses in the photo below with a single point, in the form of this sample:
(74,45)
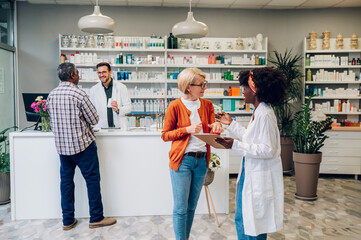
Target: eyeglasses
(202,85)
(104,72)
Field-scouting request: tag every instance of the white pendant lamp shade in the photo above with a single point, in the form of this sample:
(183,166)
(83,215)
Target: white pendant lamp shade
(96,23)
(190,28)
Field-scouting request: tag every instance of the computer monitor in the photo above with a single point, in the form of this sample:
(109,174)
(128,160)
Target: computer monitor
(29,98)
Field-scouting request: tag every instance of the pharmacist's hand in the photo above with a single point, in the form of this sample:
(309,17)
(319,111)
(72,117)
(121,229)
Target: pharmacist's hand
(224,118)
(216,127)
(114,105)
(194,128)
(226,142)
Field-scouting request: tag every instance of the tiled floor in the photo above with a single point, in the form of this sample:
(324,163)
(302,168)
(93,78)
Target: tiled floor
(335,215)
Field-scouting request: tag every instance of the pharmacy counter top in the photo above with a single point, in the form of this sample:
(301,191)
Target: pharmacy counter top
(102,132)
(134,172)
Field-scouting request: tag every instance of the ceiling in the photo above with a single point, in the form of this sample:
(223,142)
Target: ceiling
(230,4)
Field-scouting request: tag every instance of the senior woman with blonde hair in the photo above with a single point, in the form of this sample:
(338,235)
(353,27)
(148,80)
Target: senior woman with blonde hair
(189,156)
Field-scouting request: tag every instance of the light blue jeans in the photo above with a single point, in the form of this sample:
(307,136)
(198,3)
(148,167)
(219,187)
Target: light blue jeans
(187,184)
(239,216)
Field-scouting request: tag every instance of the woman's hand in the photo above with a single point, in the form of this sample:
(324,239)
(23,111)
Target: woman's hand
(226,142)
(216,127)
(224,118)
(194,128)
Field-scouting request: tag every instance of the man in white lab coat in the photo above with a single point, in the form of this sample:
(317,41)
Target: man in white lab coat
(110,98)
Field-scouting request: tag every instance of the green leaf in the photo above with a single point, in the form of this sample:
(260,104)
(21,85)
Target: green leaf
(290,65)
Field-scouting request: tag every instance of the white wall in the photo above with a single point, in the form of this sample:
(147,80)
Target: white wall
(39,26)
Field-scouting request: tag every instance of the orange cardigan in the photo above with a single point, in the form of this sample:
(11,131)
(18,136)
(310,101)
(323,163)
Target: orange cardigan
(174,129)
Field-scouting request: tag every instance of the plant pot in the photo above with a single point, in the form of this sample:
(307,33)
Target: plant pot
(209,177)
(286,154)
(307,168)
(4,188)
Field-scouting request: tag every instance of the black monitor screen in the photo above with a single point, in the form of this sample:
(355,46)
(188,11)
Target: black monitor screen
(29,98)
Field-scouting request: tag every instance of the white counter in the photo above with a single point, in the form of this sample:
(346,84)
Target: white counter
(134,173)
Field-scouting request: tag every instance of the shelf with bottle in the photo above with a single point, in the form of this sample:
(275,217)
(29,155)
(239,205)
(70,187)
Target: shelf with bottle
(210,81)
(332,82)
(332,76)
(109,42)
(140,81)
(111,50)
(338,107)
(337,97)
(214,66)
(342,113)
(117,59)
(335,67)
(141,106)
(239,112)
(345,60)
(212,44)
(123,65)
(209,97)
(209,51)
(212,60)
(321,75)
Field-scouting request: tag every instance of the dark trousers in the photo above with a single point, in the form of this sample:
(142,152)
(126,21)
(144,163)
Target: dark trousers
(88,163)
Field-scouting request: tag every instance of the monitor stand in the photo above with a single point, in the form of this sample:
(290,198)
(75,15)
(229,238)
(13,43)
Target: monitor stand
(37,127)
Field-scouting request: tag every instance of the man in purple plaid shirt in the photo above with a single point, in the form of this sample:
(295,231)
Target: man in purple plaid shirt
(71,117)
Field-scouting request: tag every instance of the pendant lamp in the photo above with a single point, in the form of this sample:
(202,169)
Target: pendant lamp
(190,28)
(96,23)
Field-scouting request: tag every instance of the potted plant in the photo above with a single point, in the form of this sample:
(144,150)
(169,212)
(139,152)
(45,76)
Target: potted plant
(218,59)
(214,164)
(4,167)
(308,136)
(290,65)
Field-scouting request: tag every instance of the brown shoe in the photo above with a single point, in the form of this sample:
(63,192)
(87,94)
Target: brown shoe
(103,223)
(68,227)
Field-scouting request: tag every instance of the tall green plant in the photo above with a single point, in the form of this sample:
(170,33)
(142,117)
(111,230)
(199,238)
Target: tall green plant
(308,135)
(4,154)
(290,65)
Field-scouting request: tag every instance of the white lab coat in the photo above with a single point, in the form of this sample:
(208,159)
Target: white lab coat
(262,196)
(119,94)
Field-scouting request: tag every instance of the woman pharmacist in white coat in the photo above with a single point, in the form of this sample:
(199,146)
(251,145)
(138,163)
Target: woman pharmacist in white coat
(259,201)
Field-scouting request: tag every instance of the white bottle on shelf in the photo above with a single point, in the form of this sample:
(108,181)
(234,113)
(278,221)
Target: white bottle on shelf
(72,58)
(142,106)
(348,104)
(82,58)
(147,106)
(95,58)
(151,106)
(77,59)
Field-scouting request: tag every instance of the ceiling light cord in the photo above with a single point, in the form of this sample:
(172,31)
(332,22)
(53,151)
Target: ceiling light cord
(190,5)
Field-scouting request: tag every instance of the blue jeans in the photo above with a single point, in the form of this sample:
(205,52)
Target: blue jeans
(239,216)
(187,184)
(88,163)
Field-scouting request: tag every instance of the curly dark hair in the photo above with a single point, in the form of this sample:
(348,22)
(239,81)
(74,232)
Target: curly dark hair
(270,82)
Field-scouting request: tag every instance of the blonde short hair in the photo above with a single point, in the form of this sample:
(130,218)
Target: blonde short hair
(187,77)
